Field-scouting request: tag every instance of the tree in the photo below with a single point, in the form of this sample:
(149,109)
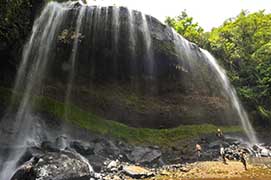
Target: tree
(184,25)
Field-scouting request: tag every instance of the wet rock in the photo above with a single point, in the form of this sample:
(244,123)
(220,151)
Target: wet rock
(113,148)
(26,171)
(112,164)
(144,155)
(64,165)
(61,142)
(107,148)
(97,162)
(29,154)
(49,146)
(82,147)
(216,144)
(99,148)
(265,152)
(137,172)
(54,165)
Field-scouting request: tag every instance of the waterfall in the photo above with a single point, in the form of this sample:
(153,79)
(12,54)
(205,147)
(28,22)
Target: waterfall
(132,37)
(103,45)
(149,50)
(30,76)
(132,47)
(250,132)
(116,25)
(81,14)
(115,42)
(186,50)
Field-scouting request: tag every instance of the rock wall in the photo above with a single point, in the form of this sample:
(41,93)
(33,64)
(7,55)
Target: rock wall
(128,68)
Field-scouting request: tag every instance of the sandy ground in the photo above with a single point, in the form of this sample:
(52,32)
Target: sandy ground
(217,171)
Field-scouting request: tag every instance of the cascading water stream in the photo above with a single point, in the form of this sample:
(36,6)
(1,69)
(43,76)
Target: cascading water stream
(80,17)
(250,132)
(116,25)
(95,22)
(149,49)
(132,37)
(184,51)
(29,80)
(132,46)
(116,29)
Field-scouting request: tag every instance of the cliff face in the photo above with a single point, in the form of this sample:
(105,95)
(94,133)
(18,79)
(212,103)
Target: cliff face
(128,67)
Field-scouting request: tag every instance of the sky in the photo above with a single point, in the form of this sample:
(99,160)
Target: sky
(208,13)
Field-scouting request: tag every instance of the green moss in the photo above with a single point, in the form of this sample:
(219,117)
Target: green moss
(97,124)
(133,135)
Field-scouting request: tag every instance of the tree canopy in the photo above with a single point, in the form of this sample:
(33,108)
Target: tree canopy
(184,25)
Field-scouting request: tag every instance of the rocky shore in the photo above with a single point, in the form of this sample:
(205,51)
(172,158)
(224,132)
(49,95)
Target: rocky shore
(100,158)
(83,155)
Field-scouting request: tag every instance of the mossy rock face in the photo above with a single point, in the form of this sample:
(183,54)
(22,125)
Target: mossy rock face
(112,76)
(119,78)
(55,113)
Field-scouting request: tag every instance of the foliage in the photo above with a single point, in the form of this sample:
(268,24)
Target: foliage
(68,36)
(243,46)
(184,25)
(15,20)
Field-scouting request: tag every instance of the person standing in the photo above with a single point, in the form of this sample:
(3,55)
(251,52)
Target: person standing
(222,154)
(243,159)
(219,134)
(198,150)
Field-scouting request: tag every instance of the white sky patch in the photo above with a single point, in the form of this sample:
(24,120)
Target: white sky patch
(208,13)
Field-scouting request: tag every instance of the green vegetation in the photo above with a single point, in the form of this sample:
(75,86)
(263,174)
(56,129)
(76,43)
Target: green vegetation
(15,20)
(243,46)
(100,125)
(184,25)
(97,124)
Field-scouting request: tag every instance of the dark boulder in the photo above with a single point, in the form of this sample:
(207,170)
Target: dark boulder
(217,144)
(26,171)
(97,162)
(83,147)
(54,165)
(144,155)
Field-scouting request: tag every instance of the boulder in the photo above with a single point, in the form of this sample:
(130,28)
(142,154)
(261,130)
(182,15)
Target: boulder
(61,142)
(112,164)
(97,162)
(26,171)
(82,147)
(137,172)
(265,152)
(54,165)
(144,155)
(216,144)
(49,146)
